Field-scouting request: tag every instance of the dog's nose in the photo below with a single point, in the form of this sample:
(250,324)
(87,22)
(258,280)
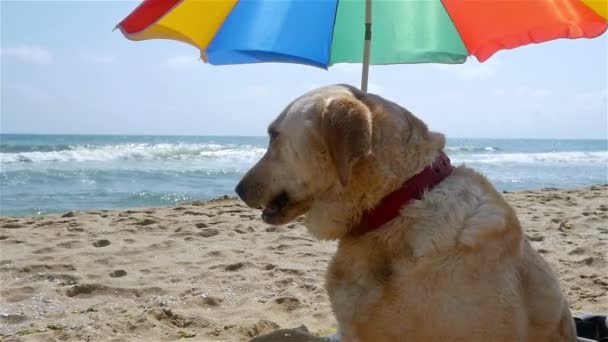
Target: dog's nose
(240,190)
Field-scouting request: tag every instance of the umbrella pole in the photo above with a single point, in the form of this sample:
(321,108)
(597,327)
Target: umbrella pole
(366,45)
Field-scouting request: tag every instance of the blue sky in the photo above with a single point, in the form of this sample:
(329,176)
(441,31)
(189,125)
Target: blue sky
(65,71)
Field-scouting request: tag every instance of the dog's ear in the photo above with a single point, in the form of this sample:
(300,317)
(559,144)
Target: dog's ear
(347,130)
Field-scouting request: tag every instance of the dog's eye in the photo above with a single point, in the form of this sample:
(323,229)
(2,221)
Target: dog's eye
(273,135)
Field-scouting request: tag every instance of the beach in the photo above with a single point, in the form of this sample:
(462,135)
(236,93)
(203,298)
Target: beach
(120,165)
(213,271)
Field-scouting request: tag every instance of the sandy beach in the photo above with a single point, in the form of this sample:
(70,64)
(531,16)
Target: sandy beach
(213,271)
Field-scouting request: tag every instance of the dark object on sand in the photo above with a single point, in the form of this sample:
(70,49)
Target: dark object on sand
(299,334)
(592,328)
(589,328)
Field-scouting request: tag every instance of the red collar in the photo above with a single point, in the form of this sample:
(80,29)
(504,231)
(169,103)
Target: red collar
(412,189)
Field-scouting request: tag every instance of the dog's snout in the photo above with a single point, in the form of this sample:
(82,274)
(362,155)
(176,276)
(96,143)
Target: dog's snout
(245,193)
(240,190)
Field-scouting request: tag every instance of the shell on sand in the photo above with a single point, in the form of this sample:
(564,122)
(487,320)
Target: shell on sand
(212,271)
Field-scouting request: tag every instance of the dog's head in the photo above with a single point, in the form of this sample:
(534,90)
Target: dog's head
(320,147)
(314,144)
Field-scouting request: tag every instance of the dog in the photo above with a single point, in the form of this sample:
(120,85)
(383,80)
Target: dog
(426,251)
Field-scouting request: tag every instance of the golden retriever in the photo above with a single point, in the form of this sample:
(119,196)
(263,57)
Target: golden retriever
(454,265)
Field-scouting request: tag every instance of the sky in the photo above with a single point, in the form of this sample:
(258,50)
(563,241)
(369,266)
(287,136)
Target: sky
(65,71)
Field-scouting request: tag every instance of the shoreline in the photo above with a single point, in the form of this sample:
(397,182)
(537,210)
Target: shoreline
(227,197)
(213,271)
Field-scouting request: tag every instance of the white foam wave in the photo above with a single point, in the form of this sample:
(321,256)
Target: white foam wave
(600,157)
(101,153)
(221,154)
(471,148)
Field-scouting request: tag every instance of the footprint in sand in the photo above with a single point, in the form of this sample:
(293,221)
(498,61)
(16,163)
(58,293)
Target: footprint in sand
(284,247)
(536,238)
(578,251)
(234,267)
(288,303)
(215,254)
(68,214)
(118,273)
(190,212)
(101,243)
(145,222)
(210,300)
(12,225)
(209,232)
(44,250)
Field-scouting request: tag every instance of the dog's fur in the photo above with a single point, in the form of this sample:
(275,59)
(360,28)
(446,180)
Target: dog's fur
(454,266)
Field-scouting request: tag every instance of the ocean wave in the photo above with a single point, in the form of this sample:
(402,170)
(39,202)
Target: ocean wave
(17,148)
(135,152)
(221,154)
(472,149)
(599,157)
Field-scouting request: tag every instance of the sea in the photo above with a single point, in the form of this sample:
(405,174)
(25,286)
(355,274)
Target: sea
(42,174)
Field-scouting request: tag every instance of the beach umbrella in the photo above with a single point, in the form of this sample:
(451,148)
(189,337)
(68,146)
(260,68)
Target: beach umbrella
(321,33)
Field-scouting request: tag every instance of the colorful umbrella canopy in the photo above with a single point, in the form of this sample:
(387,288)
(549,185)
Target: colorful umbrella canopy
(324,32)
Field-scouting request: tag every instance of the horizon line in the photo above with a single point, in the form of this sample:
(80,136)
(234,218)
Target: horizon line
(265,136)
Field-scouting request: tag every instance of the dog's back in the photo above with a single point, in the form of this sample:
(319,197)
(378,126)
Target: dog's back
(454,266)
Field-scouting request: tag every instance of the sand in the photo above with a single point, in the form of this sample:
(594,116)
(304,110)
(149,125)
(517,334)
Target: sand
(213,271)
